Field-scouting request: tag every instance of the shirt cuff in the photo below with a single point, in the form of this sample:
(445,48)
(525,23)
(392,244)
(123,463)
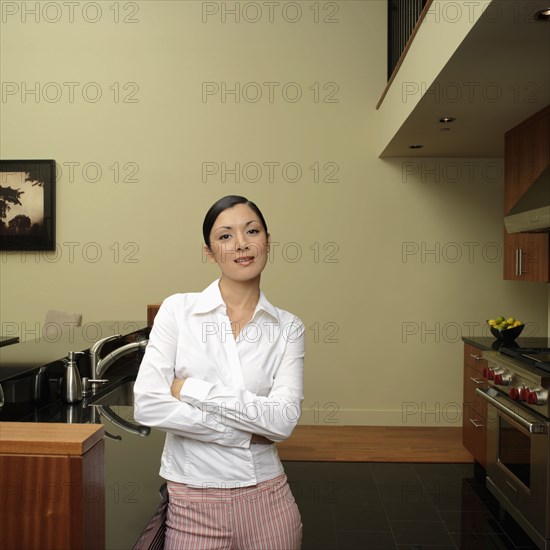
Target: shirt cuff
(195,390)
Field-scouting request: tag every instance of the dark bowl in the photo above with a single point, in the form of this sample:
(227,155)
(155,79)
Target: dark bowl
(507,335)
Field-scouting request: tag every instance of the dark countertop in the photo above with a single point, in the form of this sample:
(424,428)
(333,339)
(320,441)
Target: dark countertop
(490,343)
(21,363)
(55,409)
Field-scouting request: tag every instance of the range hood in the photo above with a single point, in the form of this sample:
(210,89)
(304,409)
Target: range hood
(531,214)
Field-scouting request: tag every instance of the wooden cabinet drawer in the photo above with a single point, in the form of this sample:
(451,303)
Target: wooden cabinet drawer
(474,359)
(474,407)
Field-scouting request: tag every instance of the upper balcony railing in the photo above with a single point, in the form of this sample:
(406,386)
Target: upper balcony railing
(403,15)
(404,20)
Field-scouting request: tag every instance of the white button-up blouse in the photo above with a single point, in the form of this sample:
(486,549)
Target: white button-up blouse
(234,388)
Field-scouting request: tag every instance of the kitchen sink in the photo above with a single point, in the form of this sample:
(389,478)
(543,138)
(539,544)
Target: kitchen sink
(121,395)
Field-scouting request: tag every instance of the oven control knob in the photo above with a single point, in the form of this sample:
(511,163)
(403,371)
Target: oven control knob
(503,378)
(514,393)
(523,394)
(537,397)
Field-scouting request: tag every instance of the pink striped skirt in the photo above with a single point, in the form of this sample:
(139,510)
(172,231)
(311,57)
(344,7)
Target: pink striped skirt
(262,517)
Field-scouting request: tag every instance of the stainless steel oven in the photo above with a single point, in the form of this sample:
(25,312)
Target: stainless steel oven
(517,464)
(518,443)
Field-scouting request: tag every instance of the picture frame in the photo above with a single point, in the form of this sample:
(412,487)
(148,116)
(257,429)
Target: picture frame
(27,204)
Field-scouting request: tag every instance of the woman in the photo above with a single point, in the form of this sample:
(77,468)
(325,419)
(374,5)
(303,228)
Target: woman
(223,376)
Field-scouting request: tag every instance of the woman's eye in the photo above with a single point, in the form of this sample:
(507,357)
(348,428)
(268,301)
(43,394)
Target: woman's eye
(225,236)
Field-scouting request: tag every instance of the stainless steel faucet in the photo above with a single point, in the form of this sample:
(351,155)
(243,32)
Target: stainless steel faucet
(102,365)
(95,351)
(99,366)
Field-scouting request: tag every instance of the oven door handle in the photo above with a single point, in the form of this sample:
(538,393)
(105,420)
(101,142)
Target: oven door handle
(531,427)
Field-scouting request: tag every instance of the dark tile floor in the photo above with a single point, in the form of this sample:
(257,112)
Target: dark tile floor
(382,506)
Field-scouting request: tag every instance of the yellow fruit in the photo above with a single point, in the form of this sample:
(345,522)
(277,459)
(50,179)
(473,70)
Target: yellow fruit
(510,320)
(517,323)
(499,319)
(492,322)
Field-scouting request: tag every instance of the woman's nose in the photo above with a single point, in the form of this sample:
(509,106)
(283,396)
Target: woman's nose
(241,243)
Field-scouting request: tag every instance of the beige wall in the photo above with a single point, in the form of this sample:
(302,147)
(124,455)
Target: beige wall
(394,311)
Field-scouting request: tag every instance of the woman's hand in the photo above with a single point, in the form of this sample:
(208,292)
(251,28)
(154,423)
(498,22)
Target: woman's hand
(177,384)
(260,439)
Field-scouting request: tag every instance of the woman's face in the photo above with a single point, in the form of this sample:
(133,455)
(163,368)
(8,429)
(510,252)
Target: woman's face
(239,233)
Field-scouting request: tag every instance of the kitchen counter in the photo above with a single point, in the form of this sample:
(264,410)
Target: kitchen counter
(486,344)
(25,357)
(53,481)
(25,393)
(132,460)
(48,439)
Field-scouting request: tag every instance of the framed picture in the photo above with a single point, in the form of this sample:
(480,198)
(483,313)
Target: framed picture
(27,205)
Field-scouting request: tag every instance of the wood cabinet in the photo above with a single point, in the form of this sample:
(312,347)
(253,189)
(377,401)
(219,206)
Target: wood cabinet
(474,407)
(526,257)
(527,153)
(53,488)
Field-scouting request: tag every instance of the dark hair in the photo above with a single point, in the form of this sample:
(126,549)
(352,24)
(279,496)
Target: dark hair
(223,204)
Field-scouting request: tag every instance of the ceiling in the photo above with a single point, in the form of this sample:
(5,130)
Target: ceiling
(498,77)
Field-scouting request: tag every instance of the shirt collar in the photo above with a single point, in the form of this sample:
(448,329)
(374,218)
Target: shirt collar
(211,298)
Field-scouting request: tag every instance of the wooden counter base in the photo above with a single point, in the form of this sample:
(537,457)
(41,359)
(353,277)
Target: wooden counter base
(53,488)
(375,444)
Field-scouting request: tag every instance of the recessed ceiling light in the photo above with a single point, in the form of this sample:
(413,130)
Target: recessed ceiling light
(447,119)
(543,15)
(416,146)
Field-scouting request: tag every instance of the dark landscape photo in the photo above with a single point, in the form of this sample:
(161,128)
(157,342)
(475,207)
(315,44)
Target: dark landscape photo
(26,205)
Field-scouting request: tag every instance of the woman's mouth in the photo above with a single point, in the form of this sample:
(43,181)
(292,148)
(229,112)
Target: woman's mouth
(245,260)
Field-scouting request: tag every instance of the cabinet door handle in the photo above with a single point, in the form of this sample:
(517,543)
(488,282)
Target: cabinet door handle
(478,357)
(475,380)
(520,256)
(517,262)
(476,424)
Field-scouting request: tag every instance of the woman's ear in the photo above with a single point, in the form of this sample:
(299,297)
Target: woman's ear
(208,253)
